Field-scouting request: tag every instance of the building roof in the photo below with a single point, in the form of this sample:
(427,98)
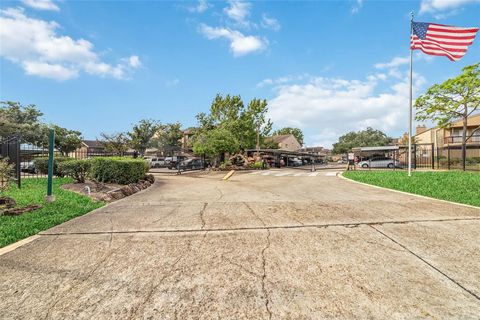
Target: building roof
(381,148)
(93,144)
(473,120)
(419,133)
(280,138)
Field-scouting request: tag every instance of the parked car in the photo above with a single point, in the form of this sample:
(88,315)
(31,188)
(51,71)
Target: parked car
(28,167)
(171,162)
(379,162)
(295,162)
(157,162)
(191,164)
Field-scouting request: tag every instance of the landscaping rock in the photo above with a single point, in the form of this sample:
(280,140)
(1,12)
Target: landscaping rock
(7,202)
(127,190)
(150,178)
(116,194)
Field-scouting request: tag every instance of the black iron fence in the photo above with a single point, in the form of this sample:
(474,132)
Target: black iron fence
(450,157)
(10,150)
(424,156)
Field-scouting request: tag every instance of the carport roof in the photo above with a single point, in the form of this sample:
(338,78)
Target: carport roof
(380,148)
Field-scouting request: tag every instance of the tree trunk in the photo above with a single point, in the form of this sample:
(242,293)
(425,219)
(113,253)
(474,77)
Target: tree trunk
(464,139)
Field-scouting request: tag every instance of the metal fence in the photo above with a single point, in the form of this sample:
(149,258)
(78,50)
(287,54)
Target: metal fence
(450,157)
(426,156)
(32,160)
(10,150)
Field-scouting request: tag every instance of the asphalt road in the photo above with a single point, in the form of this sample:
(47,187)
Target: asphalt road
(254,247)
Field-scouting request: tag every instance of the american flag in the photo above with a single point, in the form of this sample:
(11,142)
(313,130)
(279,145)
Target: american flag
(441,40)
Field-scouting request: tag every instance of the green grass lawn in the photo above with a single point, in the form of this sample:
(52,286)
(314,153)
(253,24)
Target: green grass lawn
(67,206)
(456,186)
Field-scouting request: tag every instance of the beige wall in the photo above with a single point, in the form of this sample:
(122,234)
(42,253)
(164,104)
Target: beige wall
(290,144)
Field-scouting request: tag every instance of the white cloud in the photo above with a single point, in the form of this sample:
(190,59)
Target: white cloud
(200,7)
(41,4)
(47,70)
(443,5)
(134,61)
(238,11)
(240,44)
(331,106)
(282,80)
(357,6)
(172,82)
(443,8)
(35,45)
(395,62)
(270,23)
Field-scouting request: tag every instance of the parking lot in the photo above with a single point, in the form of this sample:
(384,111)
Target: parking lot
(258,246)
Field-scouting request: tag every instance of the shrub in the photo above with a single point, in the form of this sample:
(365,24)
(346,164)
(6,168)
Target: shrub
(76,169)
(118,170)
(472,160)
(256,165)
(41,164)
(6,173)
(225,165)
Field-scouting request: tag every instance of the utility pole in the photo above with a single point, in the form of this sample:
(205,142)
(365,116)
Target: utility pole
(258,139)
(51,144)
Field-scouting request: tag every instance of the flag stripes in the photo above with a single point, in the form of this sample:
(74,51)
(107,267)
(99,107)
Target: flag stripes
(442,40)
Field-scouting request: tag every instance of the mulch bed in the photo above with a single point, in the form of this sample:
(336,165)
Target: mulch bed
(109,192)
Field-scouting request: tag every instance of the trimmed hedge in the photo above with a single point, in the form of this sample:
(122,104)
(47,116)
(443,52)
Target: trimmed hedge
(76,169)
(118,170)
(41,164)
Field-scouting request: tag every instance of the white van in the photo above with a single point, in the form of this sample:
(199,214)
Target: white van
(157,162)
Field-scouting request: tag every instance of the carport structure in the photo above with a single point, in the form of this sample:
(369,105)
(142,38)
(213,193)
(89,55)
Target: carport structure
(422,154)
(277,155)
(367,153)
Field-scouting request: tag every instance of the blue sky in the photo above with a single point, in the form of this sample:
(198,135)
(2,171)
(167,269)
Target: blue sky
(326,67)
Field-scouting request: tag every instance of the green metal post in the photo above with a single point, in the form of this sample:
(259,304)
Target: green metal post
(51,144)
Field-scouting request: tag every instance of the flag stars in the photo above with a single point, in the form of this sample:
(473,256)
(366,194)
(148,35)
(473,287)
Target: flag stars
(420,29)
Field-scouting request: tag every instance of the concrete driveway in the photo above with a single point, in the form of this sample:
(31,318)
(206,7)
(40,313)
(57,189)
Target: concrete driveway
(259,246)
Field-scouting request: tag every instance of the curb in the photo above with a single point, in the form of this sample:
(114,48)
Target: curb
(18,244)
(25,241)
(340,175)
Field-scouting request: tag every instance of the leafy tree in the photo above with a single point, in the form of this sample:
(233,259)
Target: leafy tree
(255,117)
(66,141)
(17,118)
(269,144)
(142,133)
(243,127)
(455,98)
(297,133)
(116,142)
(214,142)
(365,138)
(168,136)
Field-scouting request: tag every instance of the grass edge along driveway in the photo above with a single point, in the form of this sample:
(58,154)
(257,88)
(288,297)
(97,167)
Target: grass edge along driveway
(456,186)
(67,205)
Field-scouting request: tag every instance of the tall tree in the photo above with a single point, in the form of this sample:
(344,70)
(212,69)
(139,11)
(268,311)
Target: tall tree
(142,133)
(297,133)
(168,136)
(455,98)
(245,125)
(66,141)
(365,138)
(16,118)
(116,142)
(215,142)
(256,117)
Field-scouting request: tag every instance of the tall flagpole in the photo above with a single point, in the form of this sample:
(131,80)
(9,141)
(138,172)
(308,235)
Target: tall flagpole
(410,103)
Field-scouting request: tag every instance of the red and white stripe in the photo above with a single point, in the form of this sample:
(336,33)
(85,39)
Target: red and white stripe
(442,40)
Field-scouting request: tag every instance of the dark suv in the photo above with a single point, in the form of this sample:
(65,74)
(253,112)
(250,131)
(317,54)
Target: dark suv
(191,164)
